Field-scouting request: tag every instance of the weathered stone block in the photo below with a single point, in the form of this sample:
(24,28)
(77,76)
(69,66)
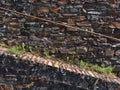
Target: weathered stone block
(6,87)
(109,52)
(82,49)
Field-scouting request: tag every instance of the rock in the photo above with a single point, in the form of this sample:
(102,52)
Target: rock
(117,53)
(72,29)
(71,21)
(31,1)
(54,9)
(50,63)
(53,50)
(62,2)
(57,44)
(118,88)
(56,64)
(7,20)
(109,52)
(13,24)
(83,24)
(117,68)
(11,42)
(41,10)
(82,49)
(12,30)
(80,18)
(106,62)
(6,87)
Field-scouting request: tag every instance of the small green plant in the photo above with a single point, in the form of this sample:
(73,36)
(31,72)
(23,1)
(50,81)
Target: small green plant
(17,49)
(104,70)
(100,69)
(23,46)
(84,64)
(2,44)
(46,53)
(30,49)
(67,59)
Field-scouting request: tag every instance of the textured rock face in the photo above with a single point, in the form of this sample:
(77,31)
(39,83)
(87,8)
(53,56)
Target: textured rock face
(99,16)
(6,87)
(26,74)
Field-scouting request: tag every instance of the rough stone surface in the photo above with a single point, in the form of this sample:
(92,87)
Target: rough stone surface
(6,87)
(60,41)
(58,64)
(101,16)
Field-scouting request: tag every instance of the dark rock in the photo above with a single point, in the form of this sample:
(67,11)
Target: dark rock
(117,68)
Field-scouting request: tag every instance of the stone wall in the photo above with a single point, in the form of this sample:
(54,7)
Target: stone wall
(99,16)
(22,74)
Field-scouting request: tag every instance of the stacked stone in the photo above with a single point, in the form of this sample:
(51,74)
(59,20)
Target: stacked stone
(29,71)
(99,16)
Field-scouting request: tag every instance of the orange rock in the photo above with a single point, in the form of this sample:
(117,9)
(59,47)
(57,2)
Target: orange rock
(54,9)
(71,21)
(109,52)
(6,87)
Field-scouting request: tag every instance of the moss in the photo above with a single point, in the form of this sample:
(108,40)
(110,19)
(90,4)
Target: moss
(20,49)
(2,44)
(96,68)
(46,53)
(17,50)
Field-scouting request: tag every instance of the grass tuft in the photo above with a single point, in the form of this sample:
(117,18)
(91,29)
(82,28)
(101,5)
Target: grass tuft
(96,68)
(17,50)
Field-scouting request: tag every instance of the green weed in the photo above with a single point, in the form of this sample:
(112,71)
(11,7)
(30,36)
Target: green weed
(96,68)
(17,49)
(46,53)
(2,44)
(30,49)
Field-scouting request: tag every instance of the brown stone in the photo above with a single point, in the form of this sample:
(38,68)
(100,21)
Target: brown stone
(2,15)
(41,10)
(12,30)
(80,18)
(54,9)
(116,24)
(53,50)
(117,19)
(6,20)
(32,1)
(109,52)
(71,21)
(112,13)
(72,29)
(57,44)
(6,87)
(113,5)
(62,2)
(13,24)
(83,24)
(82,49)
(118,88)
(11,42)
(60,38)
